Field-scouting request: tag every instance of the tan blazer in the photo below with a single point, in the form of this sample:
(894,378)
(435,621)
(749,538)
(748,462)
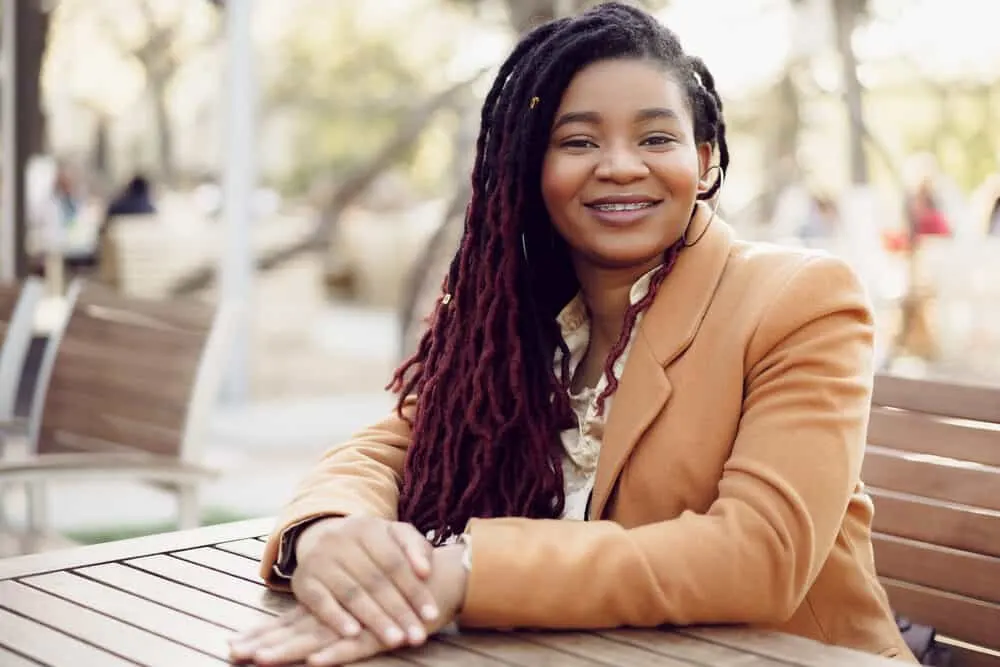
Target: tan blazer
(728,484)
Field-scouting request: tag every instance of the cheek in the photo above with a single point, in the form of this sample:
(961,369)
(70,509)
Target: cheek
(560,183)
(682,172)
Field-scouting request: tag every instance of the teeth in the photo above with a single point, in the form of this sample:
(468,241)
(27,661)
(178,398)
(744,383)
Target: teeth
(623,207)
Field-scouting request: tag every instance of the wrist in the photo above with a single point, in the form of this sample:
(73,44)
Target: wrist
(447,561)
(306,536)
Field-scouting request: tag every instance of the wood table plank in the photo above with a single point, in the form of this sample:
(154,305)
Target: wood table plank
(559,651)
(683,647)
(181,597)
(614,648)
(11,659)
(123,549)
(215,582)
(787,648)
(171,624)
(439,654)
(92,627)
(51,647)
(190,591)
(250,548)
(222,561)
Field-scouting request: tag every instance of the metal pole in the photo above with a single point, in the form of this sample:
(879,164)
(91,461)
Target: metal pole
(9,172)
(237,261)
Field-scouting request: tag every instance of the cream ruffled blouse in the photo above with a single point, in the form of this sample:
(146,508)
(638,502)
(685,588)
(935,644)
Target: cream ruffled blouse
(583,443)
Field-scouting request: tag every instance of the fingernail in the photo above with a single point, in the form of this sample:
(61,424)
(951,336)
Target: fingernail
(241,648)
(417,634)
(267,655)
(394,635)
(429,612)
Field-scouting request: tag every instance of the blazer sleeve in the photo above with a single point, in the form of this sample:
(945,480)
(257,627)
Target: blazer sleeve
(361,476)
(753,555)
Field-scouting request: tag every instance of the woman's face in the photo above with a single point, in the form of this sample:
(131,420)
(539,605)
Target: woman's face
(622,169)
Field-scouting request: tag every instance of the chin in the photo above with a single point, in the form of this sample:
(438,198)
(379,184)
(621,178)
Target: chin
(624,259)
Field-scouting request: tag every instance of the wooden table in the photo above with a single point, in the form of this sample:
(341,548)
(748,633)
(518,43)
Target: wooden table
(174,599)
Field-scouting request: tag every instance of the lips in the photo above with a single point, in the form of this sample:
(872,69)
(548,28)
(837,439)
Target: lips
(622,202)
(622,209)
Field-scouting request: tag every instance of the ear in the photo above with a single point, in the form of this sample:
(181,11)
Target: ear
(707,175)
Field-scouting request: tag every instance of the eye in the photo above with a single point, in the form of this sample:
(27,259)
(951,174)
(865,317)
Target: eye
(658,140)
(577,143)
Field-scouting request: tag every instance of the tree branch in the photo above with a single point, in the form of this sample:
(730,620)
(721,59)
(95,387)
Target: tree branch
(349,189)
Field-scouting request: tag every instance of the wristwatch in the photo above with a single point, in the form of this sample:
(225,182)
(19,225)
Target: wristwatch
(285,563)
(466,541)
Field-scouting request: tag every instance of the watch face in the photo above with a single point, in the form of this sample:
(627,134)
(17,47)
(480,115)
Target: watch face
(466,540)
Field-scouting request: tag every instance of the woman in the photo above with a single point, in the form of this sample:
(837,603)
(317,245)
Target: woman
(620,415)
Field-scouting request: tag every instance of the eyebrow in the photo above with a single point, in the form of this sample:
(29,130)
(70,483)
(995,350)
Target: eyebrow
(594,118)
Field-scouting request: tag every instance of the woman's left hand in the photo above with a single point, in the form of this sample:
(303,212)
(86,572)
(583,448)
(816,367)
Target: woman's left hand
(298,636)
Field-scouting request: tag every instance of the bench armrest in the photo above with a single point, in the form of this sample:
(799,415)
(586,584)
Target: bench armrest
(53,467)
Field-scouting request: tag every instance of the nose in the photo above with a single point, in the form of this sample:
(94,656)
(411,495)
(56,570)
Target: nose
(621,164)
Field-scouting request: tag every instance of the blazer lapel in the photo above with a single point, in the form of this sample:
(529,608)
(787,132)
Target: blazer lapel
(633,407)
(666,330)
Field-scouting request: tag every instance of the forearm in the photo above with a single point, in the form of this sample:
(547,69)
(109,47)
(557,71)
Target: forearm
(693,569)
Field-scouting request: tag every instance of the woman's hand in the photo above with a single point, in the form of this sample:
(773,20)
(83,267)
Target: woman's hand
(300,635)
(366,572)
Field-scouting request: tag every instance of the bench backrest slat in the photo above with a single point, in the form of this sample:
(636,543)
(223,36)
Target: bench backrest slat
(123,376)
(960,439)
(933,471)
(934,397)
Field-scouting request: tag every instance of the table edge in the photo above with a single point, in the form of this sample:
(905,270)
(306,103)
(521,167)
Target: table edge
(20,566)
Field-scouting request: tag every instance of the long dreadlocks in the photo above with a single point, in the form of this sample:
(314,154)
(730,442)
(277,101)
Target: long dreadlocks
(490,406)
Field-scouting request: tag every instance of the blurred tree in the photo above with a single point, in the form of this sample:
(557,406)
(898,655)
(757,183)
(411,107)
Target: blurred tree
(159,37)
(31,28)
(847,14)
(360,98)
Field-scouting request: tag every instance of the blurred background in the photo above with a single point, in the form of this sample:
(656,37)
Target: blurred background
(310,158)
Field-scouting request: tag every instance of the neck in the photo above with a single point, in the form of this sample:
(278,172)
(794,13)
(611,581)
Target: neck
(606,293)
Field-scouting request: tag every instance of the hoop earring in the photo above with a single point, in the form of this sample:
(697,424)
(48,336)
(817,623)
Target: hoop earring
(715,208)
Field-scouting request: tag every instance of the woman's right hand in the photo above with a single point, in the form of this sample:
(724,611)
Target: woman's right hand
(364,571)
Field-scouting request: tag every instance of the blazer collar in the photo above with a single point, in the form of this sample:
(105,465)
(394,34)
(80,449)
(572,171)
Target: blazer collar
(673,318)
(666,330)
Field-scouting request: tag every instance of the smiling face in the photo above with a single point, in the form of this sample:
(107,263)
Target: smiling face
(622,169)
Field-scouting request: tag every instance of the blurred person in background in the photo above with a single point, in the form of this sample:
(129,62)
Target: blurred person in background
(924,214)
(135,199)
(620,415)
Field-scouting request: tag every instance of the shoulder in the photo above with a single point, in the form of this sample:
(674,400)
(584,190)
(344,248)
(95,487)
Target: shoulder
(768,273)
(796,294)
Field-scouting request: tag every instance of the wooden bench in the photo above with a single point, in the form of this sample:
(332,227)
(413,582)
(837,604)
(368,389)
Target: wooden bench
(933,469)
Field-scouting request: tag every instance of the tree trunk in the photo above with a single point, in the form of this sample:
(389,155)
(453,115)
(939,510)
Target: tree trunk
(164,129)
(782,140)
(845,14)
(526,14)
(100,160)
(32,25)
